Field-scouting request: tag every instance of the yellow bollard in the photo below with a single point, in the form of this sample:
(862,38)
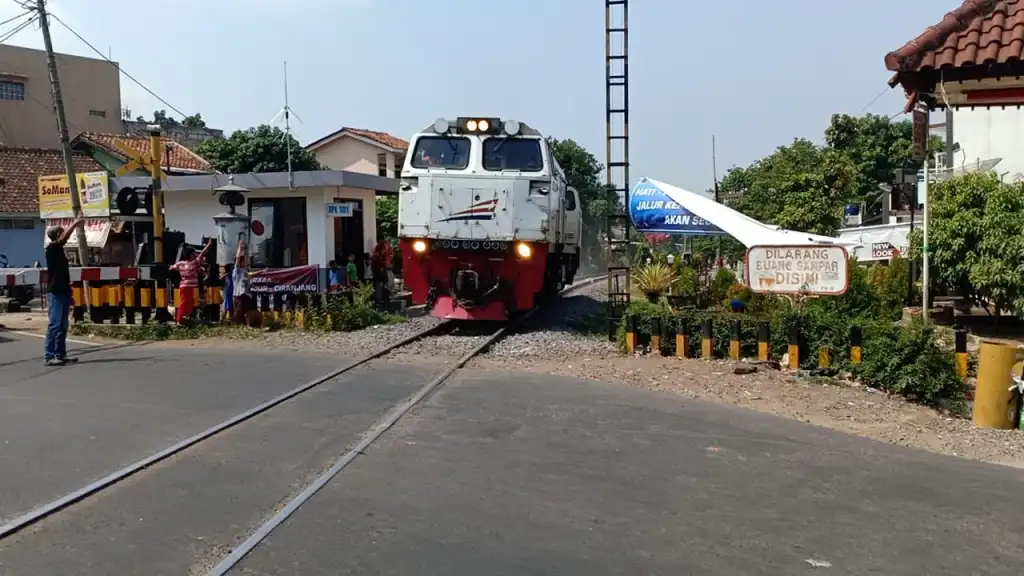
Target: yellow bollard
(993,406)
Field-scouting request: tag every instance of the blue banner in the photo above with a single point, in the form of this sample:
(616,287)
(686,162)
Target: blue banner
(651,210)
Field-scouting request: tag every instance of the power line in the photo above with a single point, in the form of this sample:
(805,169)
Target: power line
(122,70)
(873,100)
(22,15)
(8,35)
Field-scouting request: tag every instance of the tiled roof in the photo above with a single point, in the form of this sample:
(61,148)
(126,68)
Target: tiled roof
(20,169)
(382,138)
(176,156)
(978,32)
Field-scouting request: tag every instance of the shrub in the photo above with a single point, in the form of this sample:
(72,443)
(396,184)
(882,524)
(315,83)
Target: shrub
(904,360)
(724,278)
(654,279)
(341,315)
(890,285)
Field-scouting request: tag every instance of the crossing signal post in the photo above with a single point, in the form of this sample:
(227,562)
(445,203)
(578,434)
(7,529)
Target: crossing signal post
(150,162)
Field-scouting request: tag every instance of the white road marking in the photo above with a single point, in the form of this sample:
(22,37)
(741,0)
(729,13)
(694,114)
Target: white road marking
(34,335)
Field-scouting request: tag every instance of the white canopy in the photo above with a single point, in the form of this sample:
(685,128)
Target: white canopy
(743,228)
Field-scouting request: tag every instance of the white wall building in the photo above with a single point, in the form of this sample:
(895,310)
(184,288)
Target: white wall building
(294,228)
(990,133)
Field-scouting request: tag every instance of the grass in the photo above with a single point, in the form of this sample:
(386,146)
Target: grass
(159,332)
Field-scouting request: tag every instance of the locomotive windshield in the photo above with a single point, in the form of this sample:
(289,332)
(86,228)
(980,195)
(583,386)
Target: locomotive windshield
(502,153)
(441,152)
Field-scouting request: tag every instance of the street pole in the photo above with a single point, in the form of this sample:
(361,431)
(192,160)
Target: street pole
(62,133)
(156,157)
(924,244)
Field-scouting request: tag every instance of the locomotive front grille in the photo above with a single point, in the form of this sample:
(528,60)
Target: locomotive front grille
(474,245)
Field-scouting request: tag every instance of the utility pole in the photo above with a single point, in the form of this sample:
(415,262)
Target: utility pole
(62,132)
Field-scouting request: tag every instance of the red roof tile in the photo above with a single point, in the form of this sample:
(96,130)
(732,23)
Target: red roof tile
(176,156)
(20,169)
(978,32)
(382,138)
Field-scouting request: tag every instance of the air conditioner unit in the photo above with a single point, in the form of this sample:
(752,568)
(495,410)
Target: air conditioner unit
(854,215)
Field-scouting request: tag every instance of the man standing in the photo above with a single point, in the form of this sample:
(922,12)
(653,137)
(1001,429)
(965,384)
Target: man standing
(380,263)
(58,298)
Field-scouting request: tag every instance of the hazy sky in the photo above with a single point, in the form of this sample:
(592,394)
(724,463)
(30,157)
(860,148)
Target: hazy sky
(756,73)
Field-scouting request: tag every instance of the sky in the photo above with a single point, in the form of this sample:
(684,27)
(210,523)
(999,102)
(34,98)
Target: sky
(754,73)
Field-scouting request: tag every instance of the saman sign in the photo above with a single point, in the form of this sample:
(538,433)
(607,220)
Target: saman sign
(816,270)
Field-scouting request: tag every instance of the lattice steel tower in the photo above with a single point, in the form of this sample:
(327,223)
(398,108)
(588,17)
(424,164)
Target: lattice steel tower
(616,24)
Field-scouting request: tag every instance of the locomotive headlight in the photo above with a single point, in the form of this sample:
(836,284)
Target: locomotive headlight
(419,246)
(523,250)
(471,125)
(484,125)
(511,127)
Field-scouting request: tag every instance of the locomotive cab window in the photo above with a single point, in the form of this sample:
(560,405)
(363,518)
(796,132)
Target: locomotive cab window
(570,199)
(523,154)
(441,152)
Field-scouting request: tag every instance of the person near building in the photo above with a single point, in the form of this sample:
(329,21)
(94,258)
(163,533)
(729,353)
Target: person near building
(189,268)
(58,299)
(380,262)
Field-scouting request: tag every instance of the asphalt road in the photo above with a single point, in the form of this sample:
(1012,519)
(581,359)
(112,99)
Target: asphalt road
(498,473)
(517,475)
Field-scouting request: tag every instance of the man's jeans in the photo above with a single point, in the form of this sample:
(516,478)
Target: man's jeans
(57,332)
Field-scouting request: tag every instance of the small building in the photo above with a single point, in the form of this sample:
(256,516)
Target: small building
(188,136)
(363,151)
(970,62)
(92,97)
(21,229)
(289,223)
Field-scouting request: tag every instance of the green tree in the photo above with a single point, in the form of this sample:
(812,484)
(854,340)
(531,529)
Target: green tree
(598,200)
(387,216)
(194,121)
(799,187)
(877,147)
(260,149)
(974,236)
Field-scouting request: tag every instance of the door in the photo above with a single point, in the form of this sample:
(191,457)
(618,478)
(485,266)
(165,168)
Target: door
(572,231)
(349,235)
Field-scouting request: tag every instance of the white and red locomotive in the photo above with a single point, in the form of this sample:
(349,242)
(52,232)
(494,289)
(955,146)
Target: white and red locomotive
(486,220)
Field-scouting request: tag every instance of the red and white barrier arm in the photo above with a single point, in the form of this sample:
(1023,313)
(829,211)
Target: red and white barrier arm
(36,276)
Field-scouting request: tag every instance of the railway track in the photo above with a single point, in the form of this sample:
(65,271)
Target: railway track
(19,523)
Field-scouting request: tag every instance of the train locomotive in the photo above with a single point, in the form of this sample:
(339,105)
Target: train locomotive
(487,223)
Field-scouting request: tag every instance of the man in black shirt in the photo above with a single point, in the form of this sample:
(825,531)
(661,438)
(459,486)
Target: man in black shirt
(59,297)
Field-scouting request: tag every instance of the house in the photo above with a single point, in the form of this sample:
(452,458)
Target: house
(362,151)
(92,97)
(104,148)
(970,62)
(21,230)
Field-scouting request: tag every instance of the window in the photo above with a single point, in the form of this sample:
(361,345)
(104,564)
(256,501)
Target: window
(100,113)
(382,165)
(523,154)
(17,224)
(441,152)
(11,90)
(570,199)
(399,164)
(277,233)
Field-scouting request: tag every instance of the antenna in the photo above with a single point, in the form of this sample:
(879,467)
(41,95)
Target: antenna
(287,113)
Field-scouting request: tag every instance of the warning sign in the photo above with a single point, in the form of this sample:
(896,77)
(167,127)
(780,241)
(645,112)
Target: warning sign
(816,270)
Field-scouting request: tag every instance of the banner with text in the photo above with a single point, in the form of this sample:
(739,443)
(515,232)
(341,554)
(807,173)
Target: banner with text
(652,211)
(813,270)
(55,195)
(285,280)
(97,230)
